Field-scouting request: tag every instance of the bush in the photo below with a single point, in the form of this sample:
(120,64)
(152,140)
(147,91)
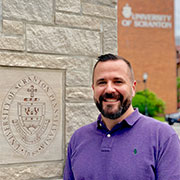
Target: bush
(155,106)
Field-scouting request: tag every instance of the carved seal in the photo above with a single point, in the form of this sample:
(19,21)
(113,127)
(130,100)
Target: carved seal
(30,116)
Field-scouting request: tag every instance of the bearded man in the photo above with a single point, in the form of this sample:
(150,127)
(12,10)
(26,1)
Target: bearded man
(122,144)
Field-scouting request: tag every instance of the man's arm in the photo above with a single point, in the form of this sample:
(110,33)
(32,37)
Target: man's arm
(68,174)
(168,162)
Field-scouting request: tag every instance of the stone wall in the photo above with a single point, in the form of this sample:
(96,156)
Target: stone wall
(62,35)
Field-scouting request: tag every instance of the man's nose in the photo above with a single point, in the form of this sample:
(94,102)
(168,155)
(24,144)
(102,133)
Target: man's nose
(109,88)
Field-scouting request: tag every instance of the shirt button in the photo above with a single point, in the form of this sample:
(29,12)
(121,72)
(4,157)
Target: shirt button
(108,135)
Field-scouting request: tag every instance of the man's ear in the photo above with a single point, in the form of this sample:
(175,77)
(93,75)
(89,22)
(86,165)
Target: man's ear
(134,88)
(92,86)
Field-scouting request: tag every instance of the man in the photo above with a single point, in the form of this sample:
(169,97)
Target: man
(123,144)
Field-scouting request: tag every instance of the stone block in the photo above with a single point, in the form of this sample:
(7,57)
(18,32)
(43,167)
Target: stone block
(105,2)
(110,36)
(34,10)
(0,15)
(68,5)
(79,72)
(78,115)
(78,78)
(79,94)
(12,43)
(108,2)
(99,10)
(78,21)
(13,27)
(32,171)
(31,115)
(43,60)
(78,68)
(59,40)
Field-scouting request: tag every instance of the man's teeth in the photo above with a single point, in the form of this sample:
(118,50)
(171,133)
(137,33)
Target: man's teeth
(111,100)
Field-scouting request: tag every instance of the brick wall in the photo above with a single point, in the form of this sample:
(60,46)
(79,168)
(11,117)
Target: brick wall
(151,49)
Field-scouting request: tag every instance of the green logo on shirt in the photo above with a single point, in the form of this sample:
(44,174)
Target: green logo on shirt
(135,151)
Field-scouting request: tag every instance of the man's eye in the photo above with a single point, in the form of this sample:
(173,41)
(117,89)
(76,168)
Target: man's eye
(118,82)
(101,82)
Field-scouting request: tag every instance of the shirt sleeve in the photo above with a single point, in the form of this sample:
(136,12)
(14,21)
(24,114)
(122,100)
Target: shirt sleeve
(168,164)
(68,173)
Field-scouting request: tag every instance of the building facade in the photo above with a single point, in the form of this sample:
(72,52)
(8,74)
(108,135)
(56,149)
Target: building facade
(146,38)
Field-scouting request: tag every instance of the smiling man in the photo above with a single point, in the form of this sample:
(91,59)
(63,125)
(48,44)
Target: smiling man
(114,87)
(122,144)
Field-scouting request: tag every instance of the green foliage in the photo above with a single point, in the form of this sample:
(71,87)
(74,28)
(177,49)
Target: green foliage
(145,98)
(178,82)
(160,118)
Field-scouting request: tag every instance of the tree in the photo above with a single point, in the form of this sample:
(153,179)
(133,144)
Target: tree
(148,99)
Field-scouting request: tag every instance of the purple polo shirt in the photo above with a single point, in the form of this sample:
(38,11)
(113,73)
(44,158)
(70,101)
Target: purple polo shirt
(138,148)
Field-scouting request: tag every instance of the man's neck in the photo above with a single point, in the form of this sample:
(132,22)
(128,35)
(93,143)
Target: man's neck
(110,123)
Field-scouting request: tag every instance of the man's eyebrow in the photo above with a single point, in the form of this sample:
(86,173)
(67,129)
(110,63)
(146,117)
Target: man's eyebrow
(118,78)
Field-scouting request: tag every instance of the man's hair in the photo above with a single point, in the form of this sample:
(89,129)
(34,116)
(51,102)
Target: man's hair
(112,57)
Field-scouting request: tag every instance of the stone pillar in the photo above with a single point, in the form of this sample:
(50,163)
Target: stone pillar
(47,51)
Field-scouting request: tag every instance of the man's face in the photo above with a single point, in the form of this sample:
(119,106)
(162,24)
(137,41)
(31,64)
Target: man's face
(113,89)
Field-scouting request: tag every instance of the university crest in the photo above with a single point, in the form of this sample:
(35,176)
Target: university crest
(30,116)
(31,123)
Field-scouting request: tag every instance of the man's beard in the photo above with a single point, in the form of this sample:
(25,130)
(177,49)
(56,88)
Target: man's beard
(107,111)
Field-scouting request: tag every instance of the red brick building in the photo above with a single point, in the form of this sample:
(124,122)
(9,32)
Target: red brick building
(178,74)
(146,38)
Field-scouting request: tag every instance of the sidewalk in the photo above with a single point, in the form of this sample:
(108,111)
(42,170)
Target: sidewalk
(176,127)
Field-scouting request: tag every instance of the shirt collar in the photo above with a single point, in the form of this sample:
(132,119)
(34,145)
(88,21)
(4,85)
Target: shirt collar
(133,117)
(130,120)
(100,122)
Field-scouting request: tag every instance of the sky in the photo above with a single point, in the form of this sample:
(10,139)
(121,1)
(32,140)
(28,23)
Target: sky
(177,17)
